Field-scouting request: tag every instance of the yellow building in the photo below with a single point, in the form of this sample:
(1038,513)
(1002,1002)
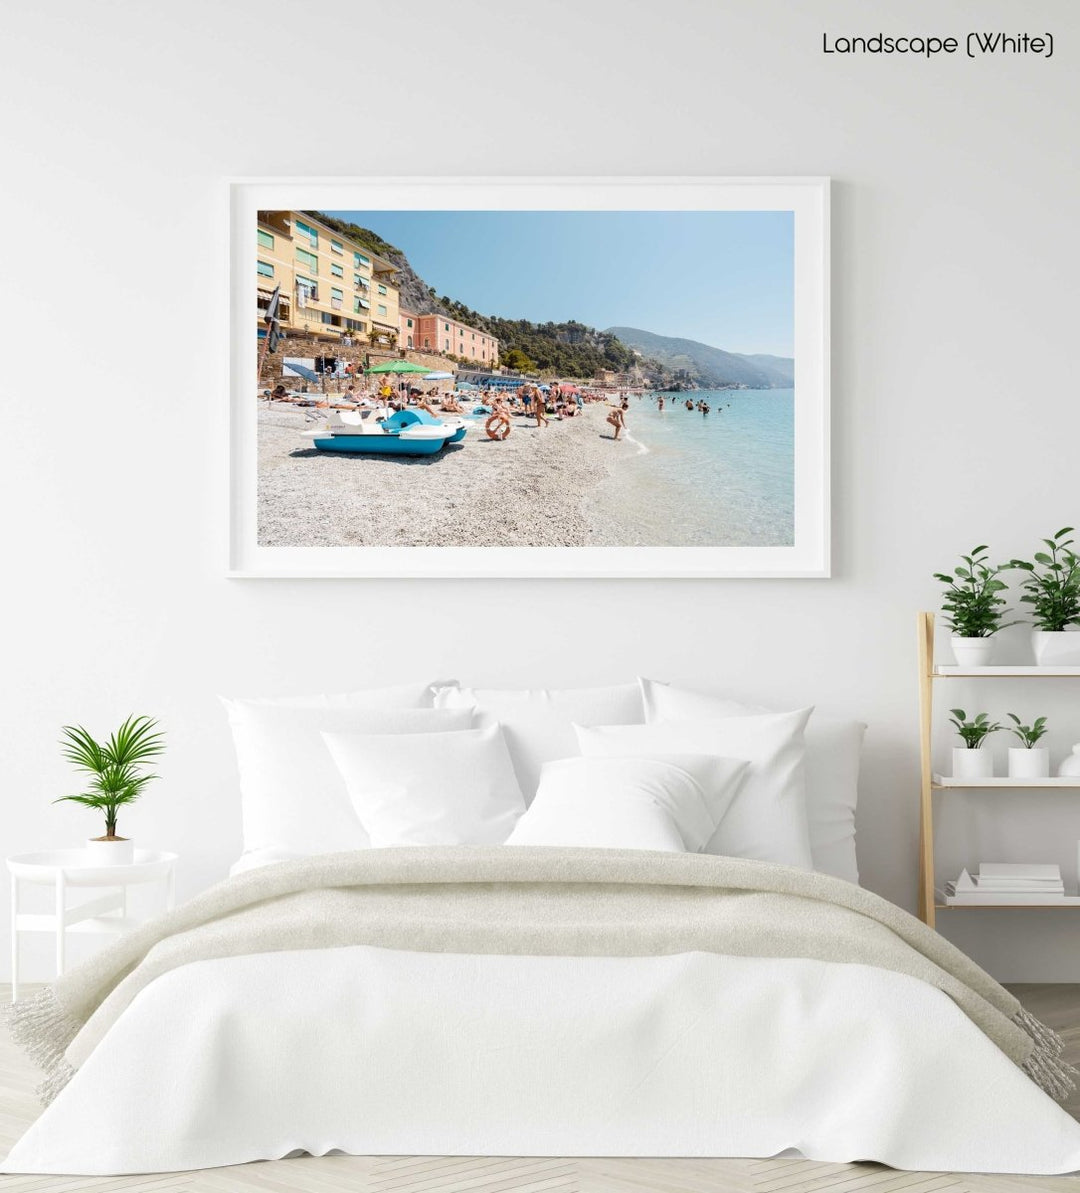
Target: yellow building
(331,286)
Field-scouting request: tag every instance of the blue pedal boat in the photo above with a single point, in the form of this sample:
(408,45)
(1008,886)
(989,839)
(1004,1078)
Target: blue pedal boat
(405,433)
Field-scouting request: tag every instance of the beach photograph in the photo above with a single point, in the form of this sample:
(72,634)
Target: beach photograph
(484,378)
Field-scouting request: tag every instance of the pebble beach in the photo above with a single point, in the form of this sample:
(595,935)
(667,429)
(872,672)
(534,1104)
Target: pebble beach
(529,490)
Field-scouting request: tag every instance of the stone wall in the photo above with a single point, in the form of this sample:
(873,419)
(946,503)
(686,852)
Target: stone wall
(361,354)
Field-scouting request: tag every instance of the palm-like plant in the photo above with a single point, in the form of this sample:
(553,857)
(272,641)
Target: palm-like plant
(115,766)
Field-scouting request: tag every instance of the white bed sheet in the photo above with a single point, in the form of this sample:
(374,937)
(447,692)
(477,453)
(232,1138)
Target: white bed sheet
(373,1051)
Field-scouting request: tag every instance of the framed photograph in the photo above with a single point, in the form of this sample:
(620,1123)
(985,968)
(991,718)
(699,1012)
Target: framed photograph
(529,377)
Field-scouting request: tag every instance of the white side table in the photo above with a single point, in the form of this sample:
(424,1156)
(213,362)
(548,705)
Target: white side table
(64,869)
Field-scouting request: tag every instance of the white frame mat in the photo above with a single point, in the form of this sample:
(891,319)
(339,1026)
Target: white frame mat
(807,198)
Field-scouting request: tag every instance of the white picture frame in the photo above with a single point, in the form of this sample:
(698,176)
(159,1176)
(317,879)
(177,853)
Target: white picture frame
(806,197)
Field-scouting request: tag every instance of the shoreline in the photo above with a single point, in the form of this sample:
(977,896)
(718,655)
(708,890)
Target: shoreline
(530,490)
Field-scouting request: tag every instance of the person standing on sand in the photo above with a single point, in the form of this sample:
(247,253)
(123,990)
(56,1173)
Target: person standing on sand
(540,407)
(525,396)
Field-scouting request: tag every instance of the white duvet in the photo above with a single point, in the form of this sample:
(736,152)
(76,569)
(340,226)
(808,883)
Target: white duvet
(225,1061)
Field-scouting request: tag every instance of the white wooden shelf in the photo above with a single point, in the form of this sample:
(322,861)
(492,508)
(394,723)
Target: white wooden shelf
(943,671)
(930,900)
(1069,901)
(941,781)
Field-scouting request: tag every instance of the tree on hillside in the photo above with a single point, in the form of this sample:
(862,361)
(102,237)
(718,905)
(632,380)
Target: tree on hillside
(515,359)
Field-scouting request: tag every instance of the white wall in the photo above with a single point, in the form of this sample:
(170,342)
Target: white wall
(956,416)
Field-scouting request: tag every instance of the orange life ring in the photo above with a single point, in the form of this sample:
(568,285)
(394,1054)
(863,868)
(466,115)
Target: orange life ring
(494,424)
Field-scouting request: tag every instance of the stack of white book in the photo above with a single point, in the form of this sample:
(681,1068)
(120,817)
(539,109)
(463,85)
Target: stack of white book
(1007,882)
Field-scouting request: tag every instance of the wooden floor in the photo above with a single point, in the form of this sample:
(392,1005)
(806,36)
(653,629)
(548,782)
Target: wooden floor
(1059,1006)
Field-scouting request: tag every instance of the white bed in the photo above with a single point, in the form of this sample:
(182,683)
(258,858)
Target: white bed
(372,1050)
(445,1054)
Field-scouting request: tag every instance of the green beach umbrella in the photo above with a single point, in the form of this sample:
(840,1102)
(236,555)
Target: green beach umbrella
(397,366)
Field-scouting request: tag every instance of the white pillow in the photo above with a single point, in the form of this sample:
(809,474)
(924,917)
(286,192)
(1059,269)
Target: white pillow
(405,695)
(432,788)
(833,750)
(672,803)
(767,818)
(292,796)
(539,722)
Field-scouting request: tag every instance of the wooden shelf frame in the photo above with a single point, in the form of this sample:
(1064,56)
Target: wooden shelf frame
(929,672)
(1002,783)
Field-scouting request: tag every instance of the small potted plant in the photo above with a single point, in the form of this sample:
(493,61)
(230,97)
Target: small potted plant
(970,761)
(1029,760)
(974,607)
(1052,589)
(117,778)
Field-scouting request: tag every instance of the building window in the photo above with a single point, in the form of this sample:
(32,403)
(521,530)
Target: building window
(336,270)
(427,342)
(306,290)
(360,305)
(408,323)
(410,341)
(382,308)
(307,231)
(446,346)
(308,260)
(446,327)
(359,259)
(266,241)
(382,288)
(335,247)
(336,298)
(266,270)
(359,281)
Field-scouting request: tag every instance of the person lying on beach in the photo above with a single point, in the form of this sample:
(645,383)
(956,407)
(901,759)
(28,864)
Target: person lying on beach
(617,418)
(280,394)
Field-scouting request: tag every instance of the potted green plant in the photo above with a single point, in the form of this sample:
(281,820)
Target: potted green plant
(973,607)
(970,761)
(117,778)
(1052,589)
(1029,760)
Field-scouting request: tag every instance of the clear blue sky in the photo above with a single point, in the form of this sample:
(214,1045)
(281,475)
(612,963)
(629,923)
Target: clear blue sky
(724,278)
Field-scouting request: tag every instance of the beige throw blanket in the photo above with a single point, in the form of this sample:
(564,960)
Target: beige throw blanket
(526,901)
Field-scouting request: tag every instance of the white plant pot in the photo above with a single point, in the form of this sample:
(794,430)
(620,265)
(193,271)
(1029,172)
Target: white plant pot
(1029,764)
(972,764)
(1056,648)
(120,852)
(972,652)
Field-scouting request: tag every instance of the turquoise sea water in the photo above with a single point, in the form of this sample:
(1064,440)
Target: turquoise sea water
(703,480)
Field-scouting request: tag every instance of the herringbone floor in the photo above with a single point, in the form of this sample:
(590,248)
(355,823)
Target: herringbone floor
(1057,1005)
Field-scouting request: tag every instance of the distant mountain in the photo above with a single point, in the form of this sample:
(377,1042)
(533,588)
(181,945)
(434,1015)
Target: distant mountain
(707,365)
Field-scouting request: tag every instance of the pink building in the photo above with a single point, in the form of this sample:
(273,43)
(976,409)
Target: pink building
(440,333)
